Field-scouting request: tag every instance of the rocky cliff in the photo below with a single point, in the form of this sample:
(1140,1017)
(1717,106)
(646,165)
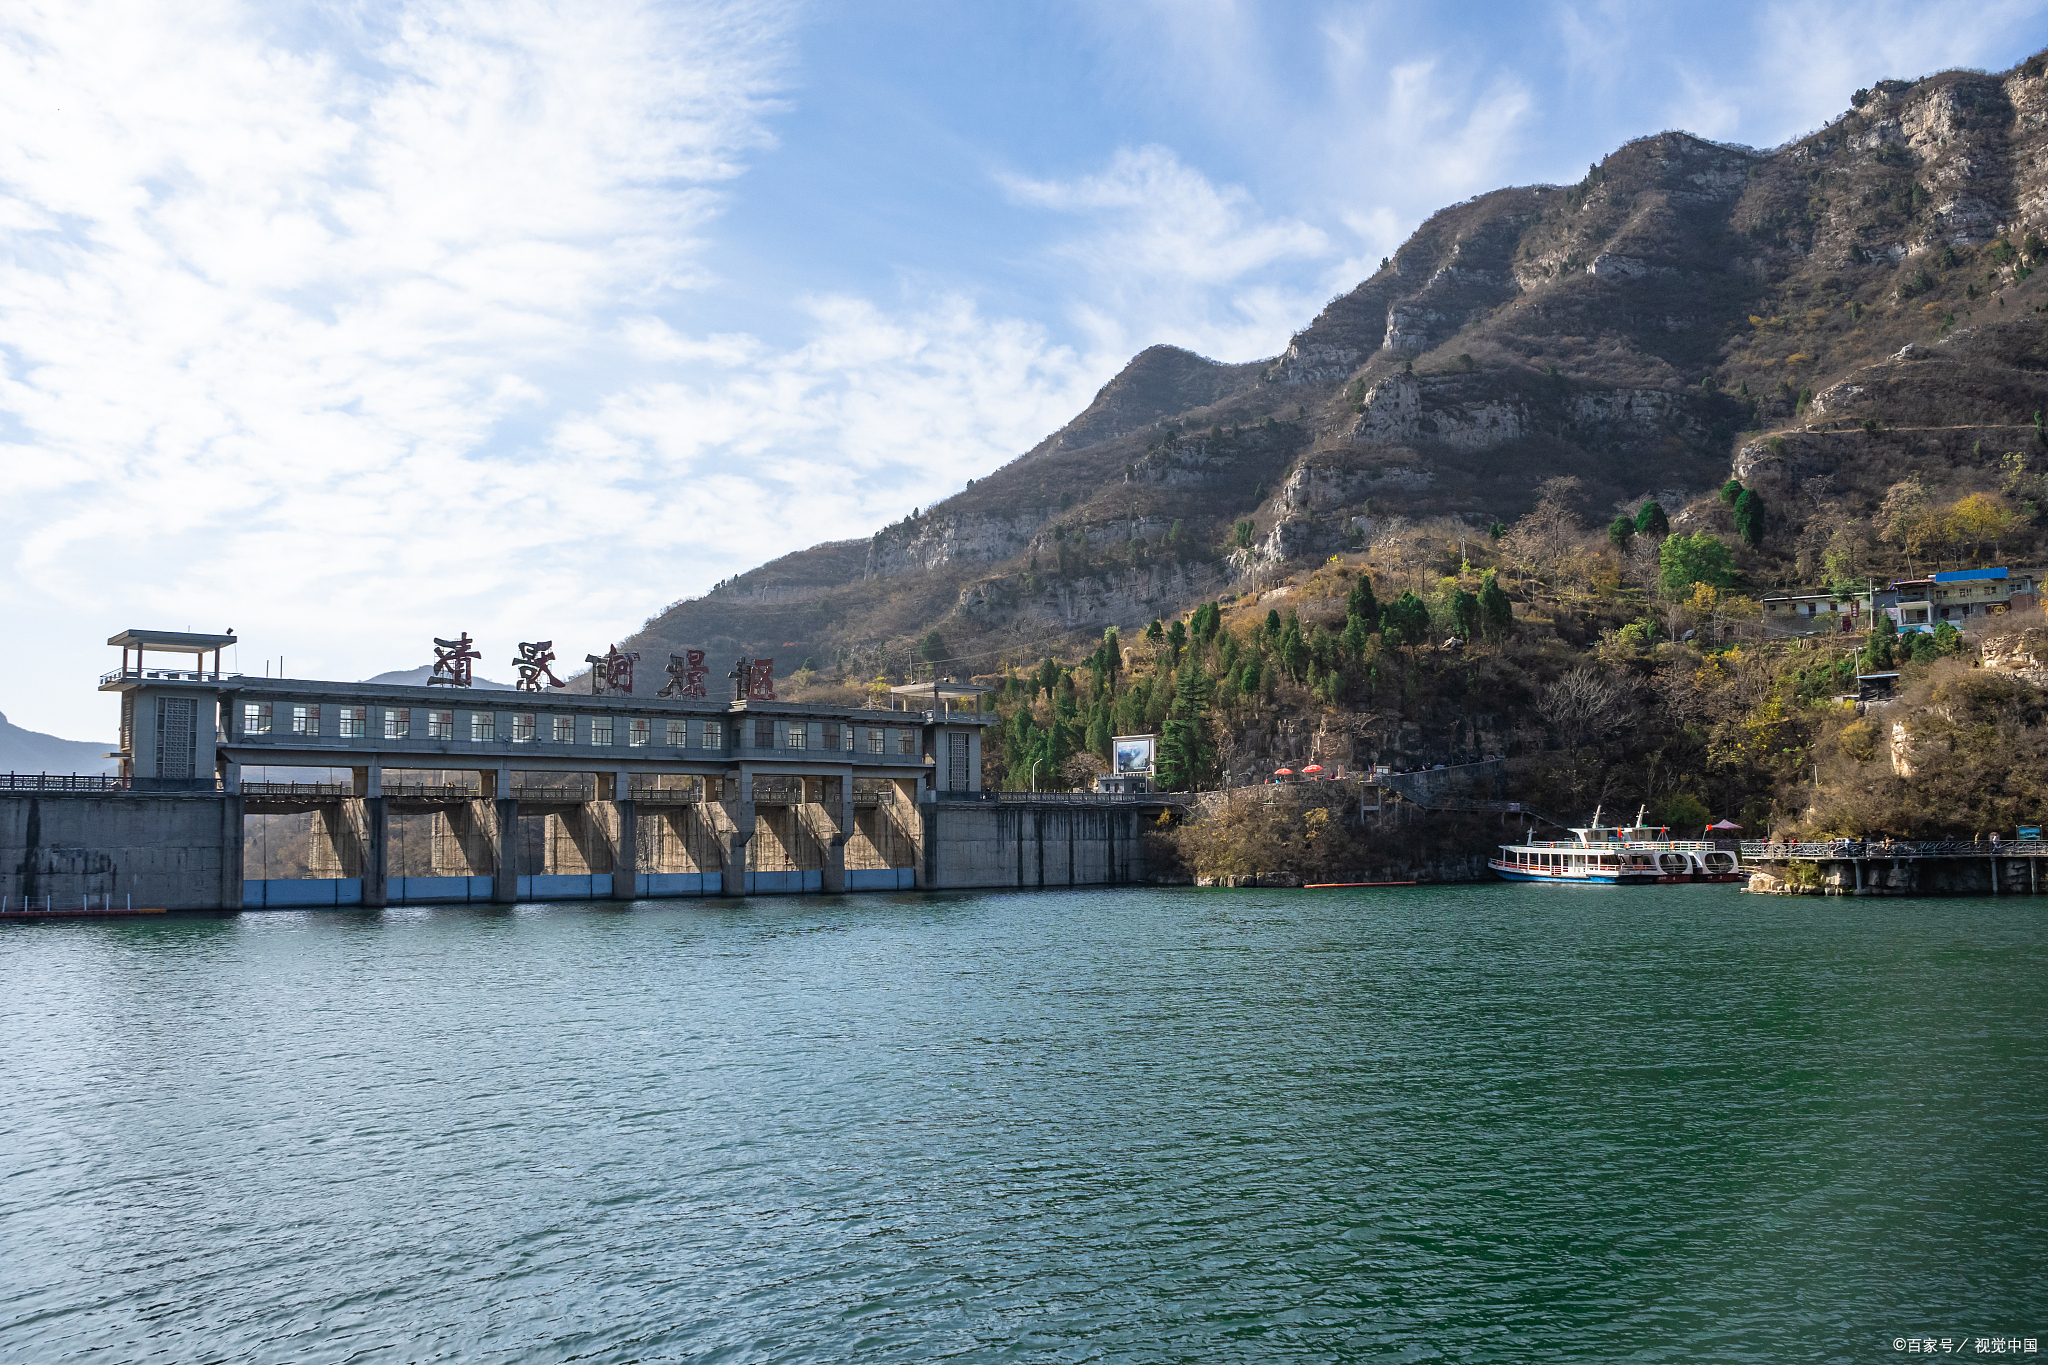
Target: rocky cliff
(1855,304)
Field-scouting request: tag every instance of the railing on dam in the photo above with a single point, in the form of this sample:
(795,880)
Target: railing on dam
(299,791)
(1070,798)
(1835,849)
(61,782)
(101,784)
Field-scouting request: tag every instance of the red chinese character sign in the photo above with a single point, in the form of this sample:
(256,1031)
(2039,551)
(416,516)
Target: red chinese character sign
(453,660)
(611,671)
(753,679)
(532,665)
(686,674)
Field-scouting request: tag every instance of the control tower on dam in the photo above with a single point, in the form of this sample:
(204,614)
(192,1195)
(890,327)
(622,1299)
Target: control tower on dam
(258,792)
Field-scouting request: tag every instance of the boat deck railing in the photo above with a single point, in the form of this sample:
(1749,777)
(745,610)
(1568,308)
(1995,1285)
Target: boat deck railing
(1615,845)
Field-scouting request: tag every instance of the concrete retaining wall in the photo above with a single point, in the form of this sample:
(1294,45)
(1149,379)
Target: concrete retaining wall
(179,852)
(975,845)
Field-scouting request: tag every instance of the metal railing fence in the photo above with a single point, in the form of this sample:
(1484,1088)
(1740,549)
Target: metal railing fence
(1762,850)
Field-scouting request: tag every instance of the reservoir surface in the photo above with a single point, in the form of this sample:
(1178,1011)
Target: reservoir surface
(1486,1123)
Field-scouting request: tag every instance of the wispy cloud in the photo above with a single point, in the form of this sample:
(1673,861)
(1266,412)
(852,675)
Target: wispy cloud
(282,315)
(1166,255)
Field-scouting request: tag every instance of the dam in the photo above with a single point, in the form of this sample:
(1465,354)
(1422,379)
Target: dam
(239,792)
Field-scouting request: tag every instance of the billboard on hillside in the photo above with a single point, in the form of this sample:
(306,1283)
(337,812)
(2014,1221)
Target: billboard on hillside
(1134,754)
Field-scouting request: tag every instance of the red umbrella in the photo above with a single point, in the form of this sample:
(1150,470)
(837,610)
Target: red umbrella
(1313,768)
(1284,772)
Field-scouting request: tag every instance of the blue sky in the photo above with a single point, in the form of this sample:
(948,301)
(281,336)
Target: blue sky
(349,325)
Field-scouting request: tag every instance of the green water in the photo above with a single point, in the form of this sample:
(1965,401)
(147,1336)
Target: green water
(1489,1123)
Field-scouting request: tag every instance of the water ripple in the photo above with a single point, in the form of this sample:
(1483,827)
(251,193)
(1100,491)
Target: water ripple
(1486,1124)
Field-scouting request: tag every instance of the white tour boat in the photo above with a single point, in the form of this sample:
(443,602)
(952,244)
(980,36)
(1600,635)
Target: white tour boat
(1618,855)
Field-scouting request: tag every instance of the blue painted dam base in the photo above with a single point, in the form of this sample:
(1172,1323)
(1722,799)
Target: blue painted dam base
(307,893)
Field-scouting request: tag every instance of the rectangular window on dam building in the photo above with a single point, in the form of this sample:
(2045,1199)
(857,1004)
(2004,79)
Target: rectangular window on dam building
(256,718)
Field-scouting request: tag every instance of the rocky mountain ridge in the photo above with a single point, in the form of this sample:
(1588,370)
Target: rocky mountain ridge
(1857,303)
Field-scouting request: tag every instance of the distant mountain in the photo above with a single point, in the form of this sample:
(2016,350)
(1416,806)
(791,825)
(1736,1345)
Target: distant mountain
(27,751)
(417,677)
(1821,320)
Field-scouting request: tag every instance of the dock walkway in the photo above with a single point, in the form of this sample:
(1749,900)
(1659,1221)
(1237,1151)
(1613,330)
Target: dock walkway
(1911,867)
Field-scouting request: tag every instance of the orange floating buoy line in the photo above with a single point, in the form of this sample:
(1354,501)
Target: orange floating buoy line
(1324,886)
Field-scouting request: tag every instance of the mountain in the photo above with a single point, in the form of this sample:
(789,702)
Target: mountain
(417,677)
(1821,320)
(27,751)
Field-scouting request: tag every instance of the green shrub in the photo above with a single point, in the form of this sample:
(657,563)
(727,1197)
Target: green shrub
(1686,560)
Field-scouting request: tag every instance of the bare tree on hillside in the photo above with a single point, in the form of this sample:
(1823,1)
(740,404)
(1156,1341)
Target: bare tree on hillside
(1541,540)
(1584,703)
(1906,520)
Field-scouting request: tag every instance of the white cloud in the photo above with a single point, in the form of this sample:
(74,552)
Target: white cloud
(1166,255)
(876,413)
(1167,220)
(275,315)
(1811,56)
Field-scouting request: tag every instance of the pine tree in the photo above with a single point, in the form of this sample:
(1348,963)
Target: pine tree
(1881,650)
(1496,613)
(1465,614)
(1651,521)
(1294,654)
(1099,731)
(1407,620)
(1355,636)
(1621,531)
(1186,756)
(1360,604)
(1749,516)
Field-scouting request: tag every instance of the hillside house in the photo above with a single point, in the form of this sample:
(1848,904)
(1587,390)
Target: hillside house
(1963,597)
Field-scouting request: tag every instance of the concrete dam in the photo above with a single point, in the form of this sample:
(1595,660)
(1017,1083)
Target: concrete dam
(239,792)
